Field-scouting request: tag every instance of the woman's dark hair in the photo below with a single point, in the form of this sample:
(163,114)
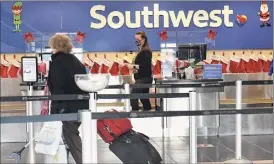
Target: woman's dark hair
(145,46)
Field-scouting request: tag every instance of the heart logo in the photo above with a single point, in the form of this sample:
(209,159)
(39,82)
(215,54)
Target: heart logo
(241,20)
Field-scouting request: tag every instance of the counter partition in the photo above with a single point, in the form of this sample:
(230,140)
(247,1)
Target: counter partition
(207,98)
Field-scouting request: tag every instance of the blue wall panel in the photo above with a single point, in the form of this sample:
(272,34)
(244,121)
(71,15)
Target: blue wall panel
(45,17)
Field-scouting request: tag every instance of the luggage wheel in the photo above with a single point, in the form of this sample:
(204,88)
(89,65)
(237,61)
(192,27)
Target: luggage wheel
(128,141)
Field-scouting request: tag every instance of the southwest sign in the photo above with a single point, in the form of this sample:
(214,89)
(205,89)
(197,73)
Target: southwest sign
(199,18)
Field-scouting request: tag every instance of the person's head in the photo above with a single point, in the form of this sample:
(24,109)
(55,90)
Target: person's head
(142,41)
(17,8)
(61,43)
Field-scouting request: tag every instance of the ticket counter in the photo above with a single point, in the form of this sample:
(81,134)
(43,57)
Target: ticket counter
(207,98)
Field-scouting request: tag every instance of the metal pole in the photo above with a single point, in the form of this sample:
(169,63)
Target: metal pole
(87,153)
(164,121)
(127,101)
(238,139)
(192,129)
(31,157)
(93,108)
(238,136)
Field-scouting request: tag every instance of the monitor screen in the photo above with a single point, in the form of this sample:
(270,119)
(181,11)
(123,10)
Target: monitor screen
(197,52)
(45,56)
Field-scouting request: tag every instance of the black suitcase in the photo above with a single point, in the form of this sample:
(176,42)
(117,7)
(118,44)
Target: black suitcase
(135,148)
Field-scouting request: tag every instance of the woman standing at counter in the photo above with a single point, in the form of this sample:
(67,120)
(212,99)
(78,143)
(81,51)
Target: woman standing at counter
(62,69)
(142,70)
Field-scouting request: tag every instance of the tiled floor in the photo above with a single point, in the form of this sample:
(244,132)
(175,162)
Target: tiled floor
(176,150)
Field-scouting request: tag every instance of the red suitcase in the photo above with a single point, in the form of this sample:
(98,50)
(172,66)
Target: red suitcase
(111,129)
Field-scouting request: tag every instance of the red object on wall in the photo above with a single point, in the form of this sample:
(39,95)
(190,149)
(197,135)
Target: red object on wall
(14,68)
(249,67)
(248,63)
(4,68)
(234,65)
(224,67)
(104,69)
(105,66)
(215,59)
(259,65)
(124,69)
(96,66)
(13,71)
(241,19)
(266,66)
(114,70)
(225,63)
(28,37)
(4,71)
(95,69)
(211,35)
(80,37)
(253,64)
(157,68)
(242,66)
(163,35)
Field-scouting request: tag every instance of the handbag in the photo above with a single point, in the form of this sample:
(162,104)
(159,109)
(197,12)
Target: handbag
(111,129)
(49,137)
(45,105)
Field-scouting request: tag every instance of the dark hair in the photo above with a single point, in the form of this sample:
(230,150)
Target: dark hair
(145,46)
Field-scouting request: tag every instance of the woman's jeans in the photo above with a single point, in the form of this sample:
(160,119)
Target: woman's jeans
(73,140)
(146,102)
(72,137)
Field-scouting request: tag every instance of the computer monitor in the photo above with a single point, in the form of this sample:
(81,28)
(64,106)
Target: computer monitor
(196,52)
(45,56)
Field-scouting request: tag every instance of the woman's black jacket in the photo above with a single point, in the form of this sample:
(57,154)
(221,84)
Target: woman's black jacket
(62,69)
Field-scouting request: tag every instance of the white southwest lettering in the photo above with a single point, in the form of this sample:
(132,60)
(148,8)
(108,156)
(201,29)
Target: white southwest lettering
(120,17)
(146,14)
(137,23)
(200,18)
(98,17)
(181,17)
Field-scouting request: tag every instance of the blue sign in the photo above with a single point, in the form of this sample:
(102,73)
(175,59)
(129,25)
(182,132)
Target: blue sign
(212,71)
(110,26)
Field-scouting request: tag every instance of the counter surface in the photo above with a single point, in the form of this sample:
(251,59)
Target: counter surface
(186,90)
(183,81)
